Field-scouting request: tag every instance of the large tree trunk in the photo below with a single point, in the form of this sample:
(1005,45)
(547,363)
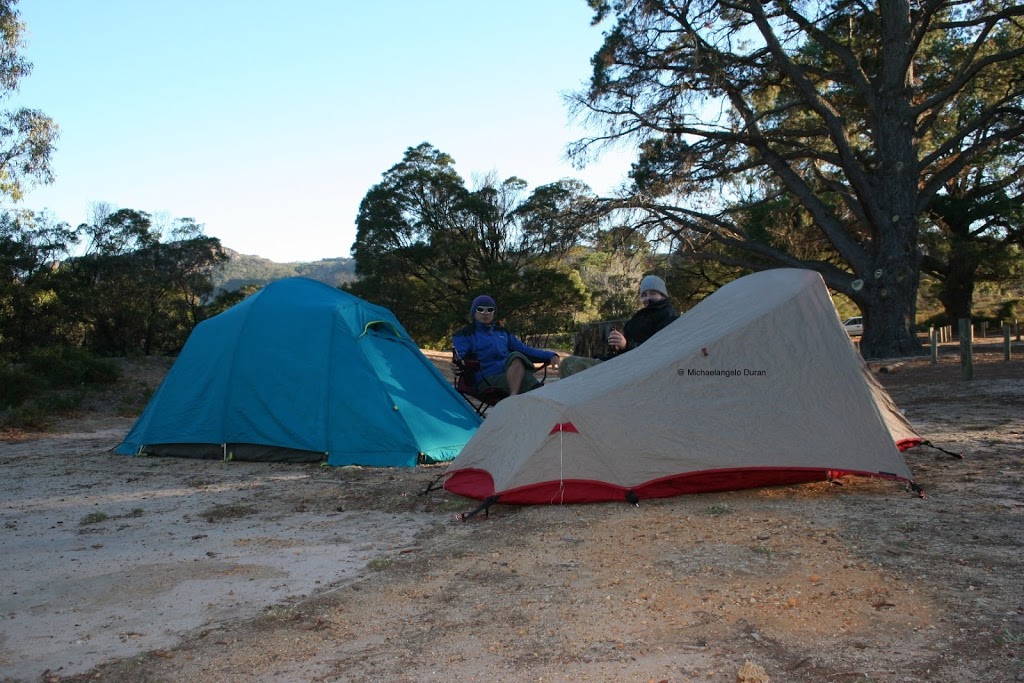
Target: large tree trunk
(890,199)
(888,298)
(889,328)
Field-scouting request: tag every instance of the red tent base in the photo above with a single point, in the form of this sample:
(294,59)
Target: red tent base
(477,483)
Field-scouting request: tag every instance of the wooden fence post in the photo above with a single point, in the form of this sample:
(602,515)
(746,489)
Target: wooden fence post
(933,338)
(1006,342)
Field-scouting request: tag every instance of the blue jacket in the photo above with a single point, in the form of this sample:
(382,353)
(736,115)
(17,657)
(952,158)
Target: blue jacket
(491,345)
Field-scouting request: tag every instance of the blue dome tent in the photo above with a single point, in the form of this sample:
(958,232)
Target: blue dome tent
(302,371)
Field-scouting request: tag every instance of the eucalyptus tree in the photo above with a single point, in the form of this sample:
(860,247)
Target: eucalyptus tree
(839,107)
(141,288)
(27,136)
(32,248)
(426,244)
(611,269)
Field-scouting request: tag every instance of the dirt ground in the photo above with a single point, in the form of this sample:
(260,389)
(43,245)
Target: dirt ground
(158,570)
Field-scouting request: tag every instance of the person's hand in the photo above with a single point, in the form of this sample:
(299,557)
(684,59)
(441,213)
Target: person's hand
(616,340)
(554,361)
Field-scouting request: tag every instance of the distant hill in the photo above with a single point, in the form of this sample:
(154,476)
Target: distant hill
(242,269)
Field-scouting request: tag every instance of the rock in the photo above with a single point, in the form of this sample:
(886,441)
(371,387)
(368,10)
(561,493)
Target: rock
(752,673)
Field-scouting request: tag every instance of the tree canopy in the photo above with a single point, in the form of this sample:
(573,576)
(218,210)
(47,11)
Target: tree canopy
(426,244)
(973,231)
(136,289)
(850,118)
(27,136)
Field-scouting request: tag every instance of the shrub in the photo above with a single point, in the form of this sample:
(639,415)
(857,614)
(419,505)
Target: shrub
(50,381)
(1011,310)
(28,416)
(65,367)
(16,386)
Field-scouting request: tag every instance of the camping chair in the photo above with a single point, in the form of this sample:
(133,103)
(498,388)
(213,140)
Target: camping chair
(465,370)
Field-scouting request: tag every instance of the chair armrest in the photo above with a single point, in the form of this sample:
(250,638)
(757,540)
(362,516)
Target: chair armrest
(464,364)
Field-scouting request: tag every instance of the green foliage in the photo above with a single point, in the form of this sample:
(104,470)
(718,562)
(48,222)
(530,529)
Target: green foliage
(52,381)
(379,564)
(426,245)
(137,293)
(16,387)
(93,518)
(556,288)
(1010,310)
(46,372)
(818,135)
(1008,637)
(994,303)
(974,235)
(65,367)
(27,136)
(40,406)
(611,272)
(29,416)
(137,289)
(32,311)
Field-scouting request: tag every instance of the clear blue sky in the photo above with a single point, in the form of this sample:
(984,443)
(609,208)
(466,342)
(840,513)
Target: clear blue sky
(267,122)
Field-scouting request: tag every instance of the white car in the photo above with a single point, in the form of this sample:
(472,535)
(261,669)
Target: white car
(854,326)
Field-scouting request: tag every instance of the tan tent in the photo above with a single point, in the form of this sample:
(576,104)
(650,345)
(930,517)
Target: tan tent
(758,385)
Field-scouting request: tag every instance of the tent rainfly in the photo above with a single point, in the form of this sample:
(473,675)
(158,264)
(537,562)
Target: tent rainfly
(302,371)
(758,385)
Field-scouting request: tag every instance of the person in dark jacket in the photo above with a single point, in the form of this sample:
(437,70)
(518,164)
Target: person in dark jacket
(656,314)
(505,361)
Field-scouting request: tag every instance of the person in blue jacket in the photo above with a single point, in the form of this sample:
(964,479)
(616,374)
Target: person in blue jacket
(505,361)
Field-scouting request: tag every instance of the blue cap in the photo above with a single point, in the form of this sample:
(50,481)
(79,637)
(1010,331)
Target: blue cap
(482,300)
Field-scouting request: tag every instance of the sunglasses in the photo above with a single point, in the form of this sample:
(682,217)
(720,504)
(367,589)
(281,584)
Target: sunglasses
(485,309)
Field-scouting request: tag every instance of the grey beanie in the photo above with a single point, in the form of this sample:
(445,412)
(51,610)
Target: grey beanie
(653,282)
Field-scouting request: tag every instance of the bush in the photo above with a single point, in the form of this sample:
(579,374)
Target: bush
(1011,310)
(64,367)
(52,381)
(16,387)
(28,416)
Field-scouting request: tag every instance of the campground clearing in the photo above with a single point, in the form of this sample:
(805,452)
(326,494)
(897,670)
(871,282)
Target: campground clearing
(126,570)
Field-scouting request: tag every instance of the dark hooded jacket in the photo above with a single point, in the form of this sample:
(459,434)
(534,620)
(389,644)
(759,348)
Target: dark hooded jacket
(645,323)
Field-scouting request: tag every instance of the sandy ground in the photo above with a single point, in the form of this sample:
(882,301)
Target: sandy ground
(108,556)
(136,569)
